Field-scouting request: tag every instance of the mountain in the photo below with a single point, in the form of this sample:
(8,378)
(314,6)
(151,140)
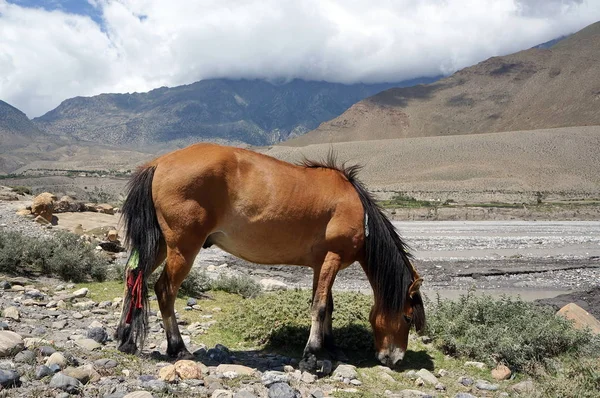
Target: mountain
(255,112)
(532,89)
(15,128)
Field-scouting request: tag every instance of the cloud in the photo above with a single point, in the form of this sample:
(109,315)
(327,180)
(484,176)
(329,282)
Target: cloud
(49,55)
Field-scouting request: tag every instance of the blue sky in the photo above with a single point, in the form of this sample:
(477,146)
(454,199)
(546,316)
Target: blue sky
(52,50)
(79,7)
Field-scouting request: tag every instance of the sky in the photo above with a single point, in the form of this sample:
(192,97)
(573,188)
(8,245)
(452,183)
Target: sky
(51,50)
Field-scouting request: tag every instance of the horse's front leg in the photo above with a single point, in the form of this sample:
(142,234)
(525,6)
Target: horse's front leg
(320,330)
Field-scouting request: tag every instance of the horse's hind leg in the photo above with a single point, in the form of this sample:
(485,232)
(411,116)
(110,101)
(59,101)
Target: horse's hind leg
(179,263)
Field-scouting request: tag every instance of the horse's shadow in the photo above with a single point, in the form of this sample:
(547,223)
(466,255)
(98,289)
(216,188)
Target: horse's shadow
(356,342)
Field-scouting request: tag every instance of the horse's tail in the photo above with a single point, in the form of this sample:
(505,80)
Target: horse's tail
(142,237)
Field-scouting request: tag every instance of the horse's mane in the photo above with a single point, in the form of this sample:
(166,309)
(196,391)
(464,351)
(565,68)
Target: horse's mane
(387,257)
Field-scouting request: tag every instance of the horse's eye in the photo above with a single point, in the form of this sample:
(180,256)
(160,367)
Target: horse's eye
(407,319)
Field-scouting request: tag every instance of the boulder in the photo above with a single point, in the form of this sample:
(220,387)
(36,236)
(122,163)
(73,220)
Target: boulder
(105,208)
(187,369)
(581,318)
(68,204)
(10,343)
(43,205)
(168,373)
(501,372)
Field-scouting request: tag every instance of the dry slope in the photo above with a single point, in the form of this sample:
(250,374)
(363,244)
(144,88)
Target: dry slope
(552,160)
(531,89)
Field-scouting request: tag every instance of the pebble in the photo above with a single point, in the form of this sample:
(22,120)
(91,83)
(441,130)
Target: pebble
(42,371)
(11,313)
(138,394)
(281,390)
(98,334)
(485,385)
(9,378)
(88,344)
(25,357)
(427,377)
(46,350)
(465,381)
(66,383)
(345,372)
(56,359)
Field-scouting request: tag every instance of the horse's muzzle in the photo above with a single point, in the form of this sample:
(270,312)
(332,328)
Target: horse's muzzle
(390,357)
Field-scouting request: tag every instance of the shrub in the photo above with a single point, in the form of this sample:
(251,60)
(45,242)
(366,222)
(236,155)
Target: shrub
(283,319)
(19,190)
(513,331)
(580,378)
(196,283)
(237,284)
(63,255)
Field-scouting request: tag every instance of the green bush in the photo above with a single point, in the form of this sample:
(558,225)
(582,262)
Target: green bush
(196,283)
(579,378)
(63,255)
(242,285)
(518,333)
(283,319)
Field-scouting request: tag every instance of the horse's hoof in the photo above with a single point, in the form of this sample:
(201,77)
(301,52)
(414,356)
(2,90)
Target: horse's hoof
(128,348)
(183,355)
(308,363)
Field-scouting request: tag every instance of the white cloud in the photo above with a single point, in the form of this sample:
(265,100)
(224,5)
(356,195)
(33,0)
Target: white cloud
(46,57)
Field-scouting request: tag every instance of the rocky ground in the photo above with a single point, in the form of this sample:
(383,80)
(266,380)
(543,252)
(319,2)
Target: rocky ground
(56,341)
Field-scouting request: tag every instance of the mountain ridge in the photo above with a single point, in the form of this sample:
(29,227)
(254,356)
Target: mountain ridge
(532,89)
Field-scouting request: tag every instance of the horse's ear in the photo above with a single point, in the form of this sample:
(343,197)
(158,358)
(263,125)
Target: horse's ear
(414,287)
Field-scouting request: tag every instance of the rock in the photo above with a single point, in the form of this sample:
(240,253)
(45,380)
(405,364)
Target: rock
(345,372)
(4,326)
(57,359)
(501,372)
(308,378)
(478,365)
(282,390)
(42,371)
(419,382)
(188,370)
(244,394)
(486,385)
(10,343)
(5,285)
(270,285)
(84,374)
(67,204)
(581,318)
(524,387)
(46,350)
(168,373)
(440,387)
(88,344)
(442,373)
(11,313)
(80,293)
(112,235)
(222,394)
(25,357)
(464,395)
(272,376)
(99,335)
(33,342)
(426,339)
(43,206)
(239,369)
(465,381)
(191,302)
(105,363)
(427,377)
(411,394)
(112,247)
(9,378)
(139,394)
(23,212)
(105,208)
(66,383)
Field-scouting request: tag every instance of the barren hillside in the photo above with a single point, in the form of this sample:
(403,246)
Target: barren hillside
(551,160)
(532,89)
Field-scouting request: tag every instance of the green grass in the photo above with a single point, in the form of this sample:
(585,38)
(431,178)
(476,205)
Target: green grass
(533,342)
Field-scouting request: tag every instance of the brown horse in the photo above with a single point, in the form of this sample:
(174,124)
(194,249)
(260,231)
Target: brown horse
(270,212)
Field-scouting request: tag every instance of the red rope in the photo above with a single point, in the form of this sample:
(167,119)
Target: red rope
(135,290)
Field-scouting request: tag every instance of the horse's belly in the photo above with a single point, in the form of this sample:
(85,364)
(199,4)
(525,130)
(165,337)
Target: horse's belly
(263,248)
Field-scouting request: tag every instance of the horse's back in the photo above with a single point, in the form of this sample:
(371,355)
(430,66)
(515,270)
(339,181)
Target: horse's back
(257,207)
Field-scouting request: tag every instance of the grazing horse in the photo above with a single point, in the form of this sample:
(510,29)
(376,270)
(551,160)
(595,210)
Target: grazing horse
(265,211)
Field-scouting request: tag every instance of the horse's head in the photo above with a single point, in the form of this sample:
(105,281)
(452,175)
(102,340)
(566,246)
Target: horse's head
(391,330)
